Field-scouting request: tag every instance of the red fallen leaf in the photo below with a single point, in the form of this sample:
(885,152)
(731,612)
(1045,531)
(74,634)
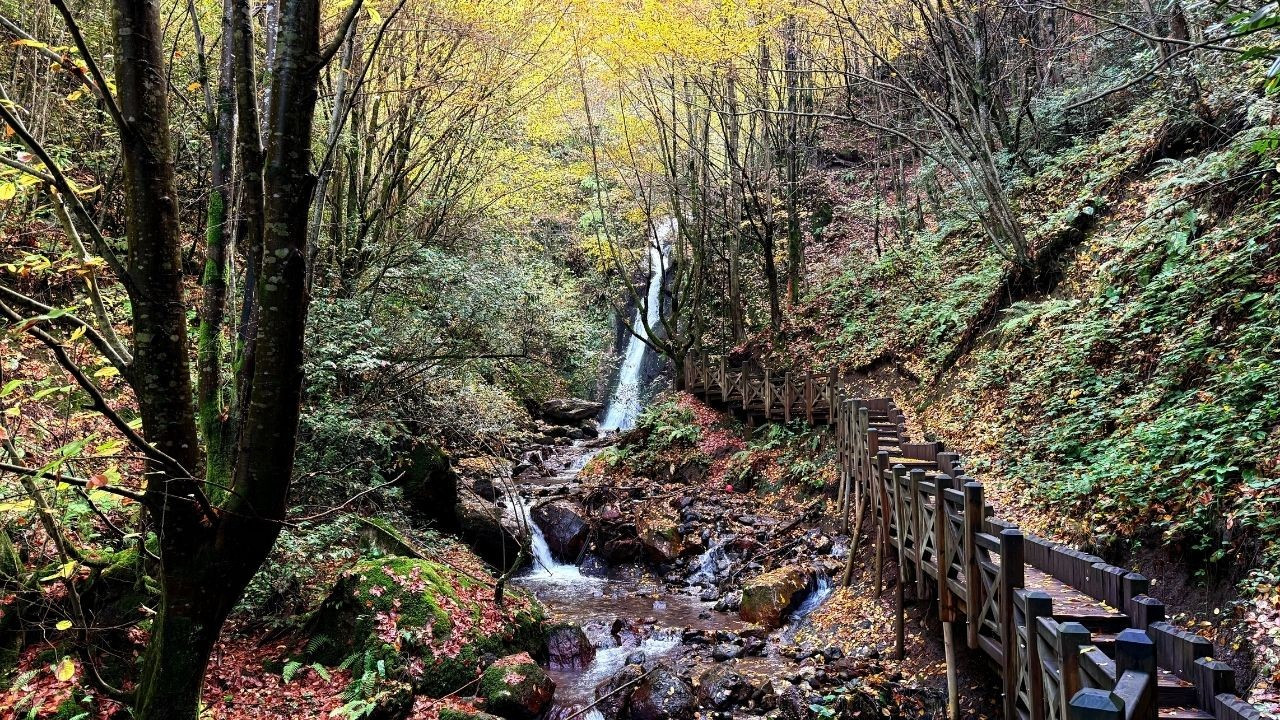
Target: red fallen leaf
(96,481)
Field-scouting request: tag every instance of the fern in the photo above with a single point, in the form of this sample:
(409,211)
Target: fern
(318,642)
(291,668)
(321,671)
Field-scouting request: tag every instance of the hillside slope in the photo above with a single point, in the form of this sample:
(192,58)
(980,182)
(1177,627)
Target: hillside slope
(1122,393)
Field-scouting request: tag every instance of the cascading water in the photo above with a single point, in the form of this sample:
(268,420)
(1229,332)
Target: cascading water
(624,406)
(545,565)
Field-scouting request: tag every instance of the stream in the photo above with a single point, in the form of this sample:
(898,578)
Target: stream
(627,613)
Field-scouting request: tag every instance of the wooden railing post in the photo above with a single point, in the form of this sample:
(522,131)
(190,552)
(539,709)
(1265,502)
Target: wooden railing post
(1038,605)
(974,507)
(917,535)
(942,550)
(1072,636)
(884,508)
(1094,704)
(788,397)
(1012,563)
(1212,678)
(1135,652)
(1144,610)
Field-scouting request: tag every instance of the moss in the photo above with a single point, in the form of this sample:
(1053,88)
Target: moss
(422,621)
(509,687)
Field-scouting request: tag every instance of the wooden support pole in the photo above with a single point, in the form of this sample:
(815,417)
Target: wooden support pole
(953,682)
(882,520)
(973,510)
(1012,567)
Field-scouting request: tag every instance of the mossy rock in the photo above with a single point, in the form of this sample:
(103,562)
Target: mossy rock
(516,687)
(430,485)
(766,598)
(429,624)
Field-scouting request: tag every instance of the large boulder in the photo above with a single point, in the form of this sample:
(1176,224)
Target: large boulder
(569,648)
(427,624)
(564,527)
(489,529)
(430,486)
(662,695)
(570,410)
(766,598)
(658,526)
(516,687)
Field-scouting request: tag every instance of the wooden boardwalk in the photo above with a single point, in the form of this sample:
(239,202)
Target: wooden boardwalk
(1073,636)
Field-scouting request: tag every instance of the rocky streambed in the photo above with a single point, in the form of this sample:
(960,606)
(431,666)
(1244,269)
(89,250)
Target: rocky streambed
(673,600)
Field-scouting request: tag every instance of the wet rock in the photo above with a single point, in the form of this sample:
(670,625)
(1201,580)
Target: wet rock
(516,688)
(766,598)
(731,602)
(613,696)
(621,550)
(725,651)
(659,530)
(754,632)
(710,595)
(593,565)
(832,653)
(754,647)
(791,704)
(691,636)
(722,687)
(569,648)
(662,695)
(637,658)
(570,410)
(565,527)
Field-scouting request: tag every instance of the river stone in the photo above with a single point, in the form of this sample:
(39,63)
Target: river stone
(659,529)
(516,687)
(613,696)
(569,648)
(766,598)
(570,410)
(564,527)
(662,695)
(721,687)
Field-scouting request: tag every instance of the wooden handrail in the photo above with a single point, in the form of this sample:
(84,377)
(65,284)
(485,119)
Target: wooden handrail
(951,546)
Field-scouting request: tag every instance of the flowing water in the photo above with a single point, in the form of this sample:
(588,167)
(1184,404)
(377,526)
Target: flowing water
(624,406)
(628,612)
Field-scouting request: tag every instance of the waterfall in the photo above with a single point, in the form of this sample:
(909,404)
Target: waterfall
(624,406)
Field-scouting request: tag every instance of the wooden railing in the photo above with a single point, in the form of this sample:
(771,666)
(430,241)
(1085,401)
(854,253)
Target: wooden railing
(1074,637)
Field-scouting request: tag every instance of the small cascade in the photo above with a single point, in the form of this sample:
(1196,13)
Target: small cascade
(545,566)
(822,590)
(624,405)
(709,565)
